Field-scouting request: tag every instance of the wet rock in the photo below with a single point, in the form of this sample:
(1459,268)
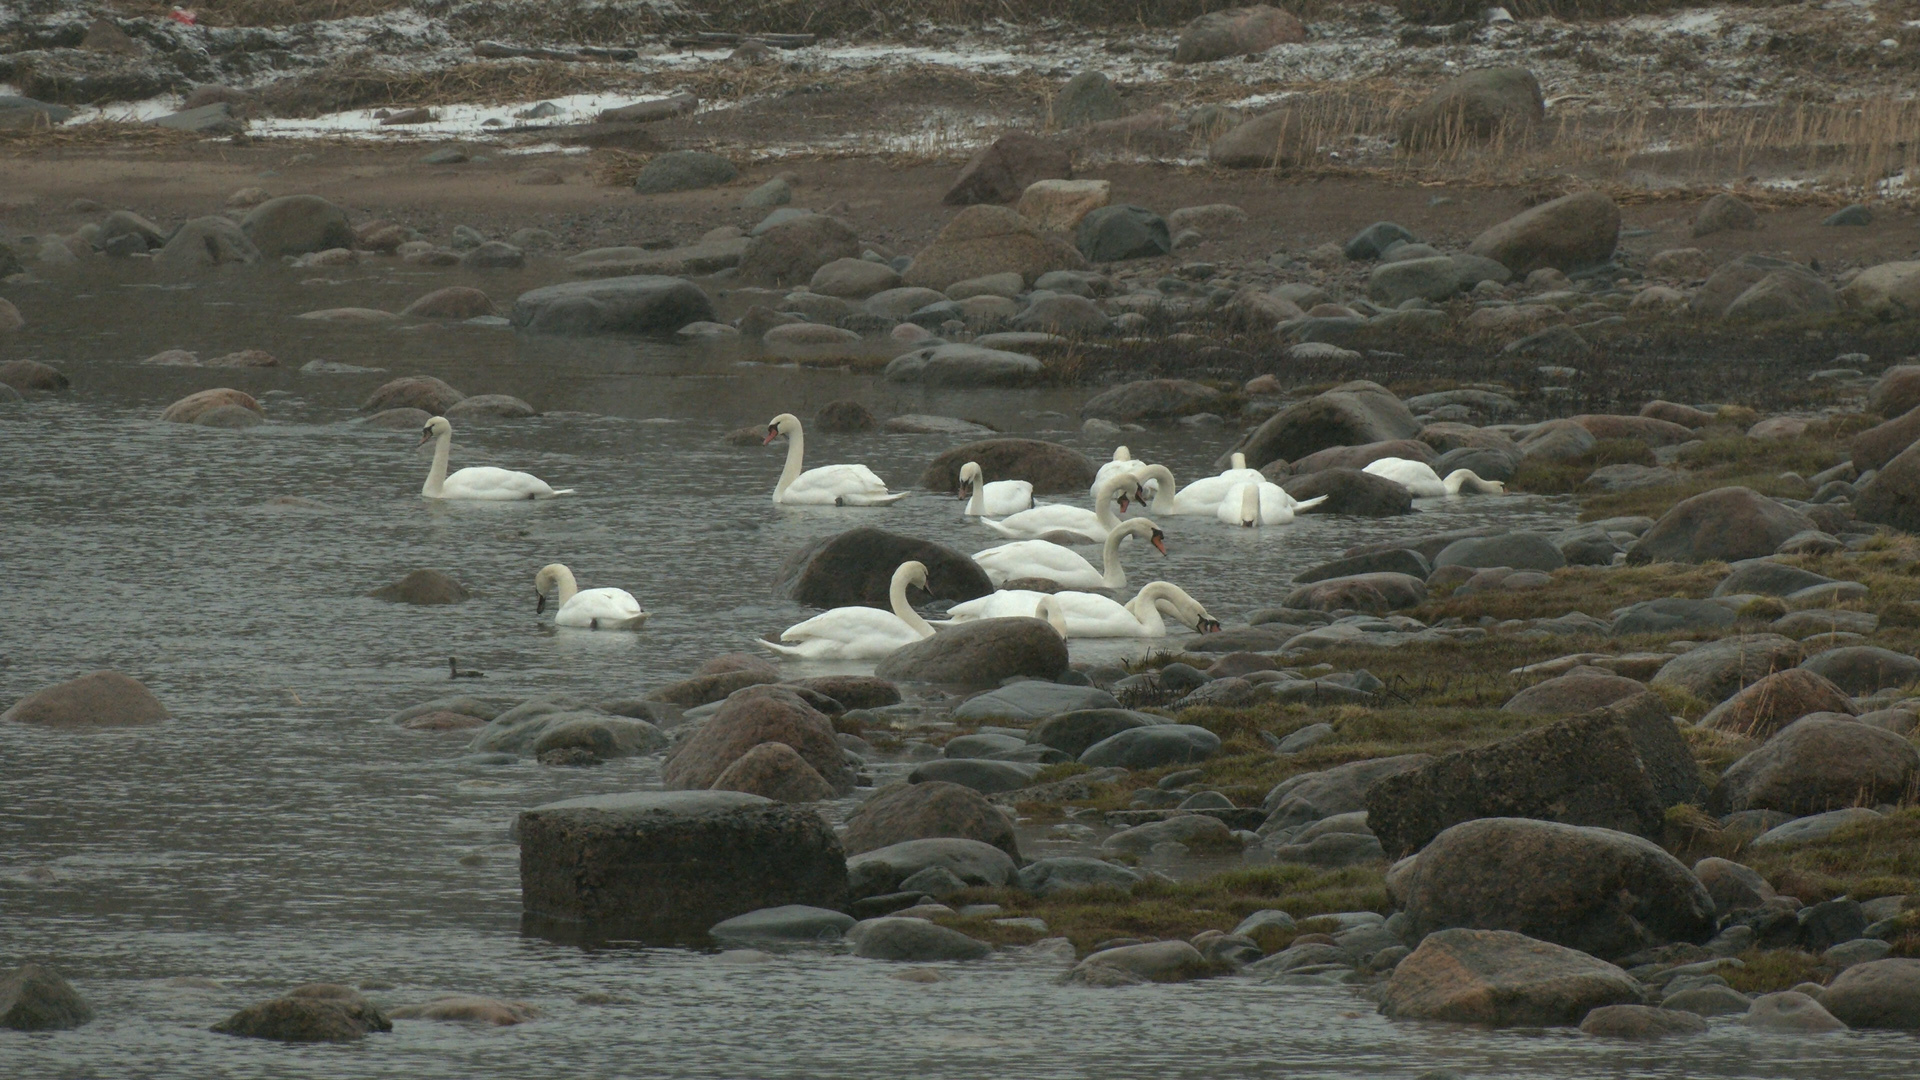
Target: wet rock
(469,1008)
(1735,278)
(840,416)
(747,719)
(1876,446)
(1391,561)
(1604,892)
(1310,797)
(857,566)
(1197,831)
(881,871)
(1150,399)
(1152,747)
(1724,212)
(413,392)
(423,587)
(1640,1022)
(1479,105)
(640,304)
(317,1012)
(1882,994)
(1816,764)
(206,242)
(1734,887)
(703,689)
(190,409)
(853,277)
(27,376)
(1518,551)
(1716,670)
(775,771)
(1052,469)
(494,255)
(683,170)
(1567,233)
(1770,704)
(913,940)
(498,406)
(1502,979)
(983,653)
(1791,1011)
(1350,491)
(1862,669)
(1376,593)
(1242,31)
(1352,414)
(1116,233)
(989,777)
(1619,768)
(1065,874)
(661,864)
(1725,524)
(1032,700)
(999,173)
(853,691)
(789,922)
(963,366)
(295,225)
(1074,732)
(33,997)
(927,810)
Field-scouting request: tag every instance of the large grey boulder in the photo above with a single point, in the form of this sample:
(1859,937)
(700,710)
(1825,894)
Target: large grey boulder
(788,922)
(1150,399)
(1153,747)
(982,240)
(1739,276)
(1352,414)
(1032,700)
(314,1013)
(750,717)
(981,774)
(856,567)
(683,170)
(927,810)
(1309,797)
(1816,764)
(664,864)
(1878,994)
(962,365)
(34,997)
(645,304)
(1052,469)
(1479,105)
(1069,873)
(791,252)
(880,871)
(295,225)
(1565,234)
(1892,497)
(983,653)
(1502,979)
(1006,168)
(1239,31)
(913,940)
(206,242)
(1073,732)
(1716,670)
(98,700)
(1863,669)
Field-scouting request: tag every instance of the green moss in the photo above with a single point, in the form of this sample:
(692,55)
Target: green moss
(1865,860)
(1770,970)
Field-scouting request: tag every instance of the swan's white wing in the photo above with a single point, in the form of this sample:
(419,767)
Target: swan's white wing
(1054,517)
(1003,604)
(1007,497)
(1416,476)
(1032,558)
(846,624)
(607,608)
(487,482)
(829,482)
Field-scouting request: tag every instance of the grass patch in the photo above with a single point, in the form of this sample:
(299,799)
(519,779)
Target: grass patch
(1540,477)
(1769,970)
(1864,861)
(1595,590)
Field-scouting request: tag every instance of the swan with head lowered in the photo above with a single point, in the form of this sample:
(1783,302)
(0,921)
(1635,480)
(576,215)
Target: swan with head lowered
(1000,498)
(1419,478)
(860,633)
(482,482)
(594,609)
(1090,615)
(1051,562)
(828,485)
(1264,503)
(1070,524)
(1203,496)
(1123,463)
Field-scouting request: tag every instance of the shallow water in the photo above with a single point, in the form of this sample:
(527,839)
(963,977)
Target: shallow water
(276,831)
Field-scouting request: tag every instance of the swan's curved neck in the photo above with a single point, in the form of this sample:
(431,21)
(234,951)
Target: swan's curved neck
(1103,500)
(796,452)
(897,595)
(1049,611)
(1146,609)
(564,585)
(437,475)
(1239,460)
(1250,512)
(1163,496)
(1112,574)
(977,503)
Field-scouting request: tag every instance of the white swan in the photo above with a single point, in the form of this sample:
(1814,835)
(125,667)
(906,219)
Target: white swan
(1419,478)
(1123,463)
(1048,611)
(1203,496)
(1000,498)
(595,609)
(860,633)
(1262,504)
(828,485)
(1090,615)
(479,481)
(1050,561)
(1070,524)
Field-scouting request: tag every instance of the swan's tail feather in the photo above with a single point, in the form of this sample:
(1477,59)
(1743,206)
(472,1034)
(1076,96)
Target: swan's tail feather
(888,499)
(562,491)
(999,528)
(774,646)
(1308,504)
(630,624)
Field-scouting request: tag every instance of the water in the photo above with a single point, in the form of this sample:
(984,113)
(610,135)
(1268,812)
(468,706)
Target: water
(276,831)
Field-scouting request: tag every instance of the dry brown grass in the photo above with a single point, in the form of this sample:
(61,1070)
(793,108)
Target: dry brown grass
(98,134)
(360,82)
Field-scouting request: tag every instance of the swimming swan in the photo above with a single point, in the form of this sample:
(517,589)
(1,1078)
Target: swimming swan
(1262,504)
(478,481)
(1203,496)
(828,485)
(1090,615)
(1123,463)
(1000,498)
(1044,559)
(860,633)
(1420,479)
(595,609)
(1075,524)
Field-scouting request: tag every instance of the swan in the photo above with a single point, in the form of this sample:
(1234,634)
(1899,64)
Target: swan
(1203,496)
(1073,524)
(1048,611)
(860,633)
(1420,479)
(1000,498)
(828,485)
(1090,615)
(478,481)
(595,609)
(1044,559)
(1123,463)
(1262,504)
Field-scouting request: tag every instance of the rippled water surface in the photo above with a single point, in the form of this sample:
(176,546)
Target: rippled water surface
(276,831)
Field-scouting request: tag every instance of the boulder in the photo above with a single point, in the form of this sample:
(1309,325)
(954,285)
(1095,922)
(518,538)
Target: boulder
(1241,31)
(1716,670)
(1773,702)
(1359,457)
(982,240)
(422,392)
(1647,429)
(469,1008)
(963,365)
(97,700)
(496,406)
(1722,525)
(1351,491)
(1072,733)
(1722,213)
(926,810)
(1619,767)
(195,407)
(775,771)
(1783,294)
(1279,138)
(1060,205)
(1394,283)
(424,587)
(1390,561)
(1502,979)
(683,170)
(452,302)
(1888,291)
(1352,414)
(1375,593)
(1153,961)
(915,940)
(1032,700)
(855,278)
(1578,691)
(1816,764)
(981,774)
(666,864)
(1874,447)
(1310,797)
(1116,233)
(788,922)
(33,997)
(1715,298)
(856,567)
(1479,105)
(1150,399)
(205,242)
(1198,831)
(1603,892)
(1068,873)
(30,375)
(1733,887)
(1052,469)
(1791,1011)
(1897,390)
(1565,234)
(1068,316)
(1517,550)
(1087,98)
(748,718)
(836,416)
(880,871)
(536,726)
(1892,497)
(1882,994)
(999,173)
(983,653)
(643,304)
(295,225)
(1152,747)
(317,1012)
(1766,577)
(791,252)
(1640,1022)
(1862,669)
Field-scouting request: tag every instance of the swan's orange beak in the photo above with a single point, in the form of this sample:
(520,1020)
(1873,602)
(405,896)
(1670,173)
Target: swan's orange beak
(425,438)
(1159,541)
(772,434)
(1124,504)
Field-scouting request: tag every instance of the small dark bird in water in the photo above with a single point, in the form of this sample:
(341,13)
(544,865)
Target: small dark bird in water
(453,668)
